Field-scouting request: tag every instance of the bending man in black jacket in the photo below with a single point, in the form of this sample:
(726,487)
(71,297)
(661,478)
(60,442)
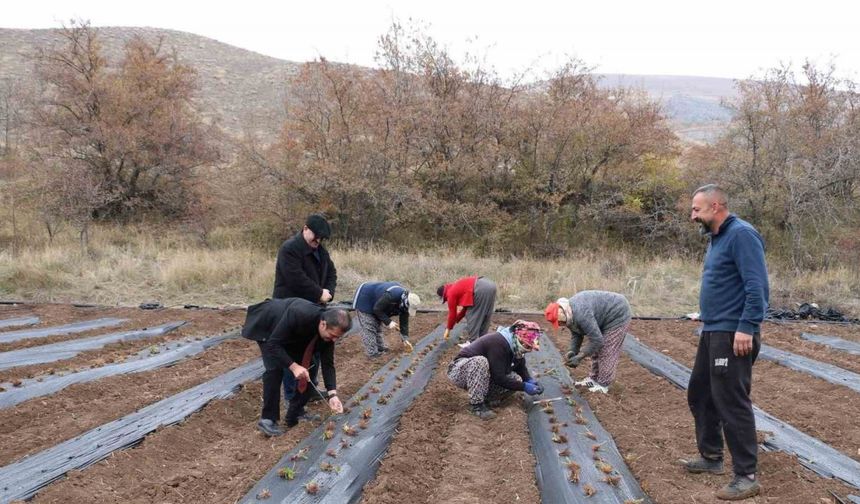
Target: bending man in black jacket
(288,332)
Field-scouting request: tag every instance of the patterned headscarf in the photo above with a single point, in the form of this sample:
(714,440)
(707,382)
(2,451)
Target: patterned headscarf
(526,336)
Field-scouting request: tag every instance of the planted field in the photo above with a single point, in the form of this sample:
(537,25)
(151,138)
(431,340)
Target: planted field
(408,435)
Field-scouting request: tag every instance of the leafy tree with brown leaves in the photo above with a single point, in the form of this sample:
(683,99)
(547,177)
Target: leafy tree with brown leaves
(116,143)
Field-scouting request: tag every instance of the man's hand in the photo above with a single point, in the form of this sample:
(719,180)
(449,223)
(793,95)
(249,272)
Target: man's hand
(743,343)
(394,325)
(447,333)
(326,296)
(335,404)
(299,372)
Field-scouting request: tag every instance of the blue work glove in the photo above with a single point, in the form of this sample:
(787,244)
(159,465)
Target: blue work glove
(532,387)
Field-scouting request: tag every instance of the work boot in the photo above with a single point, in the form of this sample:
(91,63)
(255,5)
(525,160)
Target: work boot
(703,465)
(269,428)
(741,487)
(481,411)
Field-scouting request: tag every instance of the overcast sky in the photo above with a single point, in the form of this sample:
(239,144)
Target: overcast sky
(726,38)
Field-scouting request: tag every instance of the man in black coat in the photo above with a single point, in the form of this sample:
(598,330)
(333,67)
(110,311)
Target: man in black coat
(288,332)
(305,270)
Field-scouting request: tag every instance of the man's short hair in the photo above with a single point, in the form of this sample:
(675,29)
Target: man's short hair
(337,317)
(715,192)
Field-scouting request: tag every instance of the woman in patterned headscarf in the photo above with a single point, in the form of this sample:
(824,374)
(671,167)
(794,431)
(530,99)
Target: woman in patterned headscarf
(494,364)
(600,319)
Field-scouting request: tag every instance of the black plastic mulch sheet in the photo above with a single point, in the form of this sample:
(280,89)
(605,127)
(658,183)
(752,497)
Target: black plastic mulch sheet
(55,383)
(827,372)
(847,346)
(22,479)
(68,349)
(18,322)
(76,327)
(810,452)
(818,369)
(356,457)
(581,449)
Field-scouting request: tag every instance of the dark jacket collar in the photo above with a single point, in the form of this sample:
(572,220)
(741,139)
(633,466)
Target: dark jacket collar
(726,223)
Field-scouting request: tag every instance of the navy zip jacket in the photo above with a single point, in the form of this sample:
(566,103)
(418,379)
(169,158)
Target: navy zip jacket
(735,292)
(383,300)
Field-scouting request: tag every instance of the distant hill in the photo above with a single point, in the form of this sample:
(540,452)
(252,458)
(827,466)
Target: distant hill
(693,104)
(242,90)
(245,91)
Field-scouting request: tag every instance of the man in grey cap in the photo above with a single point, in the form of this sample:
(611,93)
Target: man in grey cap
(305,270)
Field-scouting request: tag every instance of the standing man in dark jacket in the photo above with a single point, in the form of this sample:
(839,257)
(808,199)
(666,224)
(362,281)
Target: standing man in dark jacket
(305,270)
(733,301)
(288,332)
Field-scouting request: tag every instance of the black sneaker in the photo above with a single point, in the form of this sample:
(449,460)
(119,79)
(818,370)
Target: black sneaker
(703,465)
(482,411)
(741,487)
(269,428)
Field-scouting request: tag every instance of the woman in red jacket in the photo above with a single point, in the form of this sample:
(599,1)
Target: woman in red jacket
(472,297)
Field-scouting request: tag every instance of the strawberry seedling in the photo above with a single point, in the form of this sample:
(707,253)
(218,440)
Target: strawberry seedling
(555,429)
(300,455)
(366,414)
(603,466)
(548,409)
(612,480)
(287,473)
(264,494)
(589,490)
(362,424)
(581,420)
(564,453)
(374,389)
(559,438)
(331,453)
(327,435)
(596,447)
(634,501)
(382,400)
(312,488)
(590,435)
(344,444)
(573,467)
(349,431)
(553,419)
(327,467)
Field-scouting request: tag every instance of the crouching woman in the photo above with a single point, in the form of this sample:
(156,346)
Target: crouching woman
(599,319)
(494,366)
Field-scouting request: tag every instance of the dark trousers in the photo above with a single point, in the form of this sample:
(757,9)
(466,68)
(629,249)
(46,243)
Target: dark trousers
(719,398)
(273,376)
